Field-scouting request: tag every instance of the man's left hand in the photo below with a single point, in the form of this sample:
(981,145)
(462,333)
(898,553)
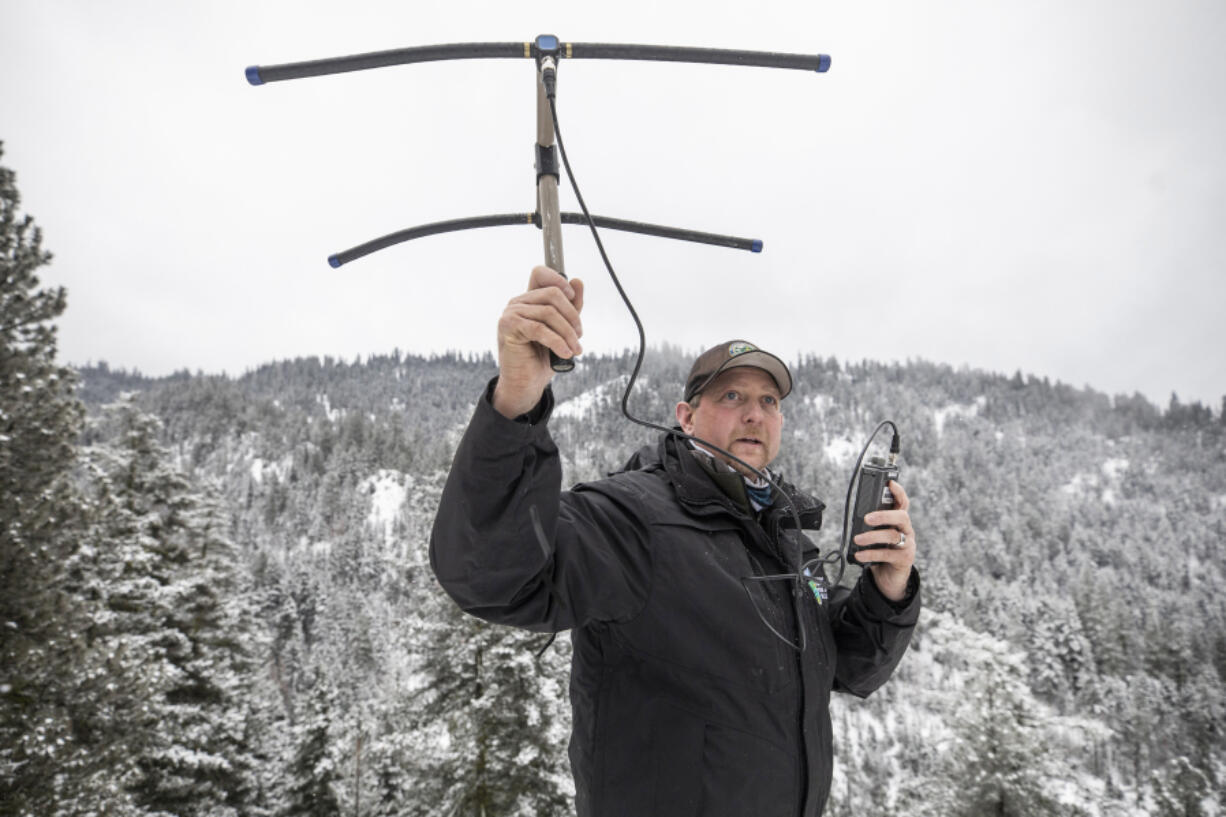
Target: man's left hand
(893,561)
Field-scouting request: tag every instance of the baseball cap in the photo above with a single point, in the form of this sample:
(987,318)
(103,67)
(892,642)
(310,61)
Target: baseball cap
(730,355)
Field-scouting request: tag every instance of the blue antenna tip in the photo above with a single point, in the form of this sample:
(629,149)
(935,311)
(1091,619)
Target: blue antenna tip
(823,63)
(253,75)
(756,246)
(334,262)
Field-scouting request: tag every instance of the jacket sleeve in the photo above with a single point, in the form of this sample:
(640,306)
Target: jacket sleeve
(871,633)
(584,558)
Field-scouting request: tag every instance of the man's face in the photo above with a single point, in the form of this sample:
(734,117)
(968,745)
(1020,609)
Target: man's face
(738,411)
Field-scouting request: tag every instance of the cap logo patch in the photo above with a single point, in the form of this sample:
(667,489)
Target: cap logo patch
(740,348)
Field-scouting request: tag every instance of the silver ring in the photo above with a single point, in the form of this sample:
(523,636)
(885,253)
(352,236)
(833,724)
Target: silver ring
(902,540)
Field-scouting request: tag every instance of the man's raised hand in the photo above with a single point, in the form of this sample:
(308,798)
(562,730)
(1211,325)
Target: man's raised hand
(544,318)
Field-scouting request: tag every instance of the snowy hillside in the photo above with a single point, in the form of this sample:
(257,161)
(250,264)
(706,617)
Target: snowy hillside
(1071,656)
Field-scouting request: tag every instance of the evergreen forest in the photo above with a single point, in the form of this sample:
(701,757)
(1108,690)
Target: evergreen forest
(215,596)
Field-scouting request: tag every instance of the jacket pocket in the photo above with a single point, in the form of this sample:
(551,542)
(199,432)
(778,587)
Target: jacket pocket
(707,769)
(745,775)
(649,759)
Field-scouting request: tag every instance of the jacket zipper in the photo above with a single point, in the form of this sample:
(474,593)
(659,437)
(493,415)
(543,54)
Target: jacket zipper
(802,755)
(802,778)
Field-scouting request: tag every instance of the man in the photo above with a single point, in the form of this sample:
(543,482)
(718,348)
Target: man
(702,664)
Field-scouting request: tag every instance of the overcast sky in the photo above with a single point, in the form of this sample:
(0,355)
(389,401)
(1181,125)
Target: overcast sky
(1035,185)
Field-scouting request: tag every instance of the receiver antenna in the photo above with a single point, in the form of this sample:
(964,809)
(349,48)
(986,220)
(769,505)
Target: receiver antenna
(547,52)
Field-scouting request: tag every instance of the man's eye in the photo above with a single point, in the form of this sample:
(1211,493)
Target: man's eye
(732,396)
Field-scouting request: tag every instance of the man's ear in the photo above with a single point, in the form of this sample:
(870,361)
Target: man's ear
(685,417)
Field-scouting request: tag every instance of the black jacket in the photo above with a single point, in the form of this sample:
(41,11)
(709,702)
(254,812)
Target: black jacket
(684,701)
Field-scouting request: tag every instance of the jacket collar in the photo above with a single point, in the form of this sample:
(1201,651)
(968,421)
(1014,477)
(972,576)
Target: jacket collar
(700,496)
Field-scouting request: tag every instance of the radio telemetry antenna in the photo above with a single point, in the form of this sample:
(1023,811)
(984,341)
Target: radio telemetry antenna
(547,51)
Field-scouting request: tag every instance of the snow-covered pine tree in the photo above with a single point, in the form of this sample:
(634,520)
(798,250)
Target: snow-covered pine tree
(40,419)
(1061,662)
(390,768)
(1180,790)
(313,777)
(1003,749)
(491,737)
(171,626)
